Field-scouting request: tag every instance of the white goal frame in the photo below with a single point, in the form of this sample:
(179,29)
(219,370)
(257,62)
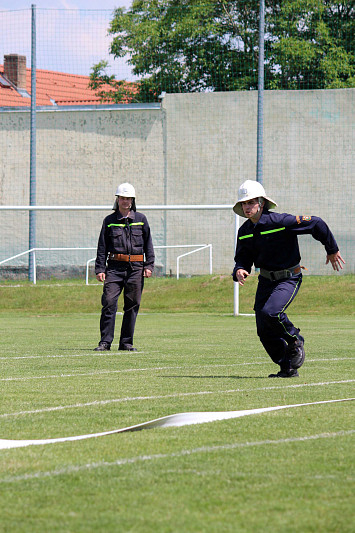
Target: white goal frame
(143,208)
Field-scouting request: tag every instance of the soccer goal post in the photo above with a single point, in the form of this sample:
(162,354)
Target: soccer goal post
(70,247)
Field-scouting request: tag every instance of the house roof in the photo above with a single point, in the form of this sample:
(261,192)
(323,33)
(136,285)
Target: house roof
(53,89)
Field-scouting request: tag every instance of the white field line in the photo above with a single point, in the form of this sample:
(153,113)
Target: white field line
(155,457)
(50,285)
(195,367)
(97,403)
(114,354)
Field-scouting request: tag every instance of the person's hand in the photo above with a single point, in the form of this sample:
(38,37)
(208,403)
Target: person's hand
(147,273)
(101,276)
(240,275)
(336,261)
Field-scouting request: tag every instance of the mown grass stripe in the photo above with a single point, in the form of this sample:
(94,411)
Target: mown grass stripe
(186,452)
(165,396)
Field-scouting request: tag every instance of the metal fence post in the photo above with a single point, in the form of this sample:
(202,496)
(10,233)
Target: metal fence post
(32,214)
(259,162)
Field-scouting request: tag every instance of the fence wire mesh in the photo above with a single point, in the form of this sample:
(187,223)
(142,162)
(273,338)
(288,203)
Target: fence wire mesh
(176,116)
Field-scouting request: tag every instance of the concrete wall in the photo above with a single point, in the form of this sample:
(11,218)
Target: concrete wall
(195,149)
(308,159)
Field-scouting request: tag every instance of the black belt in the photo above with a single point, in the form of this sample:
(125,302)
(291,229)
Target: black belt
(275,275)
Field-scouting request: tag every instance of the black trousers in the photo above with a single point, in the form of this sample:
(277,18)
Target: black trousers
(274,328)
(129,279)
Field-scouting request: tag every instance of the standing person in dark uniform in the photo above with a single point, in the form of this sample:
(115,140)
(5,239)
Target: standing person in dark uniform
(269,241)
(120,264)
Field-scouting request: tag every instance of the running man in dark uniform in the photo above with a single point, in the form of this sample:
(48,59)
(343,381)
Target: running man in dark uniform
(268,241)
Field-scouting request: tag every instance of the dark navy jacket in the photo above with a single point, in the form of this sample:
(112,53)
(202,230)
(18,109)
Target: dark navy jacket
(272,242)
(130,236)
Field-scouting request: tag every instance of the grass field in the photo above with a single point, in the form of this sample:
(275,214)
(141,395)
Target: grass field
(284,471)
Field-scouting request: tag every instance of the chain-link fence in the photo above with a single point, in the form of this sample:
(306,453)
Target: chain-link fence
(181,125)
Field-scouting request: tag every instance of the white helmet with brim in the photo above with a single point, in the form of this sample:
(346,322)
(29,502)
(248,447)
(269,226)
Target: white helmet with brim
(247,191)
(127,191)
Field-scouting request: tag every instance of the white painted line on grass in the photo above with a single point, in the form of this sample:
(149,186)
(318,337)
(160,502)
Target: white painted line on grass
(97,403)
(176,420)
(143,458)
(147,369)
(182,453)
(115,354)
(59,356)
(84,374)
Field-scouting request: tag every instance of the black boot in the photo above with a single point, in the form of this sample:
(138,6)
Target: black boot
(127,348)
(103,347)
(295,353)
(285,373)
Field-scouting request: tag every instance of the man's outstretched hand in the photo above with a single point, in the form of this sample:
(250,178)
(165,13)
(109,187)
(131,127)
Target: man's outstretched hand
(336,261)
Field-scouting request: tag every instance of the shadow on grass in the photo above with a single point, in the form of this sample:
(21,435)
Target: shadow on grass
(215,377)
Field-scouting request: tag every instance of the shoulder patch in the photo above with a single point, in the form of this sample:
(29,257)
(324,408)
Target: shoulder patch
(307,218)
(298,219)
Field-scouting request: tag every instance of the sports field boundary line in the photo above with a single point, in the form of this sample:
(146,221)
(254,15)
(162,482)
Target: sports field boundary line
(113,354)
(182,453)
(98,403)
(146,369)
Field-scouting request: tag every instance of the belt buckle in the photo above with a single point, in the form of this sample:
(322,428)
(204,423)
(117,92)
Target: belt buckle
(272,275)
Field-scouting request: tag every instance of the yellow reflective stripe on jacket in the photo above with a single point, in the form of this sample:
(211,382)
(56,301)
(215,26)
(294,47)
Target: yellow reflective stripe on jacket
(261,233)
(124,225)
(271,231)
(117,225)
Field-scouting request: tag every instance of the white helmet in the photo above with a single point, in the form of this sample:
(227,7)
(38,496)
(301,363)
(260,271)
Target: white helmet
(126,190)
(247,191)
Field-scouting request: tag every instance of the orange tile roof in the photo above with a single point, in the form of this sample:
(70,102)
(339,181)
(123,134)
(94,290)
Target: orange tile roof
(55,88)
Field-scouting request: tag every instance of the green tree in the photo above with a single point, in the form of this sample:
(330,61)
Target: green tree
(312,45)
(212,45)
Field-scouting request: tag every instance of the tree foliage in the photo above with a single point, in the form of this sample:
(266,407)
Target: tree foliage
(212,45)
(312,45)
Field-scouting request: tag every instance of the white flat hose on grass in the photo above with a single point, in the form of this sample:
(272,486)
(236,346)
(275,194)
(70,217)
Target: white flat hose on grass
(177,420)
